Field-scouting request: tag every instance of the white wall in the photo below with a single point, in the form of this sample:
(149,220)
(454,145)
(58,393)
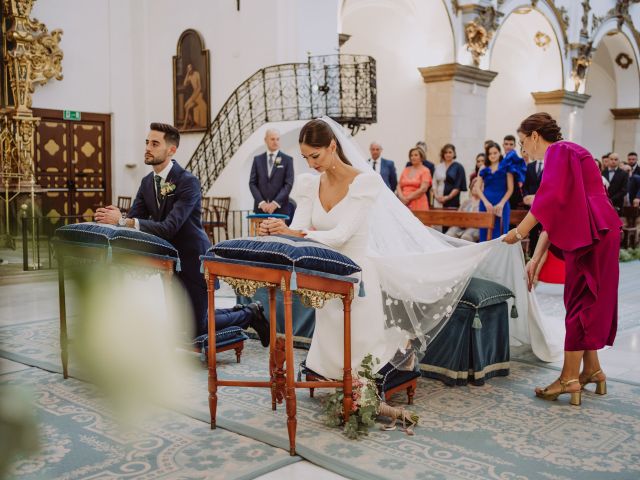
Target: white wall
(598,125)
(401,35)
(522,68)
(118,59)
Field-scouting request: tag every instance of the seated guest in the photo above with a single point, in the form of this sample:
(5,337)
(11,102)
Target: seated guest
(385,168)
(168,205)
(449,180)
(471,204)
(618,182)
(415,180)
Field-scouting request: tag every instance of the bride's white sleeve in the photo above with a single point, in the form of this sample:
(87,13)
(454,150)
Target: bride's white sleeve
(362,194)
(305,185)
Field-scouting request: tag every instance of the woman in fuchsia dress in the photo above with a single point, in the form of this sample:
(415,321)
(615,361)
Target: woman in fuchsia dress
(581,227)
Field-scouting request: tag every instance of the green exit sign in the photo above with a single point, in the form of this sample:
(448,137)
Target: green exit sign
(71,115)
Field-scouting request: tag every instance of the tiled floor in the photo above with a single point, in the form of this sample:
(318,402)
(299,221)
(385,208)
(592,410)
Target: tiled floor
(24,301)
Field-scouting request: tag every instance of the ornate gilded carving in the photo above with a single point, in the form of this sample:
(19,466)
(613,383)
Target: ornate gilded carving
(478,32)
(314,298)
(542,40)
(246,287)
(580,63)
(586,8)
(623,60)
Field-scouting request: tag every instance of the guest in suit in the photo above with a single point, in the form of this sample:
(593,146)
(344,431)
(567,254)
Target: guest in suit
(632,161)
(168,205)
(385,168)
(271,177)
(618,182)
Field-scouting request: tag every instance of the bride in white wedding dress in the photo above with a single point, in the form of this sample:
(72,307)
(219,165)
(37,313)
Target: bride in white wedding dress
(414,276)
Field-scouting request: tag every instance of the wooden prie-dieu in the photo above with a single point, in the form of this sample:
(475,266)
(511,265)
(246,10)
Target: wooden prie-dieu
(314,288)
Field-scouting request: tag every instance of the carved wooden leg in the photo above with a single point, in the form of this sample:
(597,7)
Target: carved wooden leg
(292,422)
(272,346)
(279,369)
(213,375)
(238,350)
(347,381)
(411,391)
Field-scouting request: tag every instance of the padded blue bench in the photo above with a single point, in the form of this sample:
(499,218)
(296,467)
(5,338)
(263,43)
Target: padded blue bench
(230,338)
(459,354)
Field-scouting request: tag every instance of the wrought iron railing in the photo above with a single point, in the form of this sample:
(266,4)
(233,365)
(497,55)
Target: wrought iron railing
(342,87)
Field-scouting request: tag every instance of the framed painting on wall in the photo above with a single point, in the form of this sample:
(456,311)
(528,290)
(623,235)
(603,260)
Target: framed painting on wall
(191,90)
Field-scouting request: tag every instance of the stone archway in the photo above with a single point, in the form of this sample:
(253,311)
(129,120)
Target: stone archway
(526,55)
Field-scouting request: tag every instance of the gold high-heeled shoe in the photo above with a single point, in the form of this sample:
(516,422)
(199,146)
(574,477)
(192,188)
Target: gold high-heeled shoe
(576,397)
(601,385)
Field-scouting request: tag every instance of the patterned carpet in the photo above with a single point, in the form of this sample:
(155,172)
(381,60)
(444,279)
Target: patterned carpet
(496,431)
(80,440)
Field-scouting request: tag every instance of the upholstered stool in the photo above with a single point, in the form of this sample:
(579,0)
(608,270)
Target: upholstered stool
(230,338)
(392,381)
(474,345)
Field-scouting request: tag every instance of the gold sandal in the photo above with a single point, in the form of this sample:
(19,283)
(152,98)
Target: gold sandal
(601,385)
(576,397)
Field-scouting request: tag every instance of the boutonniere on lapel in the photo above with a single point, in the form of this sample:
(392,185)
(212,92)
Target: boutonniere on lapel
(166,188)
(278,162)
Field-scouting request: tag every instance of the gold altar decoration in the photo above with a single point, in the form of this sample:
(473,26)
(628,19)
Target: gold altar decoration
(31,56)
(315,298)
(246,288)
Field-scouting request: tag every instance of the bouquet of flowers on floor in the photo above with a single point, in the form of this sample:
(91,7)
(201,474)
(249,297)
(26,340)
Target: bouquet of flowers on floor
(366,405)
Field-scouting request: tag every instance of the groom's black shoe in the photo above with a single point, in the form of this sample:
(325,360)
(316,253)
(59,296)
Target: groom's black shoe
(259,323)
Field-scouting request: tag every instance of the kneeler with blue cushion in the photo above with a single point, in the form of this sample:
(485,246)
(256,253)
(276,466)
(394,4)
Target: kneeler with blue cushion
(460,353)
(230,338)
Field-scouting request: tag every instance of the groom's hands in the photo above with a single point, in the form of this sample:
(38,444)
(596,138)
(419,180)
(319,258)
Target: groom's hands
(276,226)
(110,215)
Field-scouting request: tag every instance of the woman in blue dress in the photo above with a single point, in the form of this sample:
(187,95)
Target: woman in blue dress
(495,187)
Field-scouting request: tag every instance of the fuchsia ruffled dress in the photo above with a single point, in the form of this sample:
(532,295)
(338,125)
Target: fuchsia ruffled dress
(584,229)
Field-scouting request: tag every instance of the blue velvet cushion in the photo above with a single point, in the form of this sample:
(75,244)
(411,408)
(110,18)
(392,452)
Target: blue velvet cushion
(483,293)
(224,337)
(285,250)
(117,237)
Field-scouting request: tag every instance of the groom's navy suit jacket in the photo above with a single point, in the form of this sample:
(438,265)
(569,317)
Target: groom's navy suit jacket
(177,220)
(271,188)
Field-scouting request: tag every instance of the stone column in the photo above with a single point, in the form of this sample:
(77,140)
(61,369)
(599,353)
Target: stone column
(626,136)
(456,109)
(567,108)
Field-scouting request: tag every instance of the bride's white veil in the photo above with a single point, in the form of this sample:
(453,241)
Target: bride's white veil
(423,273)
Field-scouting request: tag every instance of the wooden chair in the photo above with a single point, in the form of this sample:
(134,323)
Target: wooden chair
(216,215)
(630,230)
(459,219)
(124,204)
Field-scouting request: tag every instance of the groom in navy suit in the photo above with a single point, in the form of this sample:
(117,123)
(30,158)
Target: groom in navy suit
(168,205)
(271,177)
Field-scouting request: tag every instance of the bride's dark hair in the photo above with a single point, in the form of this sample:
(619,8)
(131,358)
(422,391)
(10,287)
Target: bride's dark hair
(318,134)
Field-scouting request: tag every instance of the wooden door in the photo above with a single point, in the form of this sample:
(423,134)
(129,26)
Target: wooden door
(72,163)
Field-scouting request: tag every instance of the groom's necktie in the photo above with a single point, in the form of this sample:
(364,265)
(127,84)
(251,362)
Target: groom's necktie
(270,163)
(157,179)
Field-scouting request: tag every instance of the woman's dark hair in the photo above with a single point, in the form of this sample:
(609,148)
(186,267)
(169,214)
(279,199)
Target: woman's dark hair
(484,160)
(544,124)
(487,162)
(420,152)
(318,134)
(448,146)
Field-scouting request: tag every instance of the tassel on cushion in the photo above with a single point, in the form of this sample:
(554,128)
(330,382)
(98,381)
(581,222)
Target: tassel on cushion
(361,292)
(476,321)
(293,283)
(178,266)
(514,311)
(109,253)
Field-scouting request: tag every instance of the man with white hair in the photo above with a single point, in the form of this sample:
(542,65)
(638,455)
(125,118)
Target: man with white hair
(271,177)
(386,168)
